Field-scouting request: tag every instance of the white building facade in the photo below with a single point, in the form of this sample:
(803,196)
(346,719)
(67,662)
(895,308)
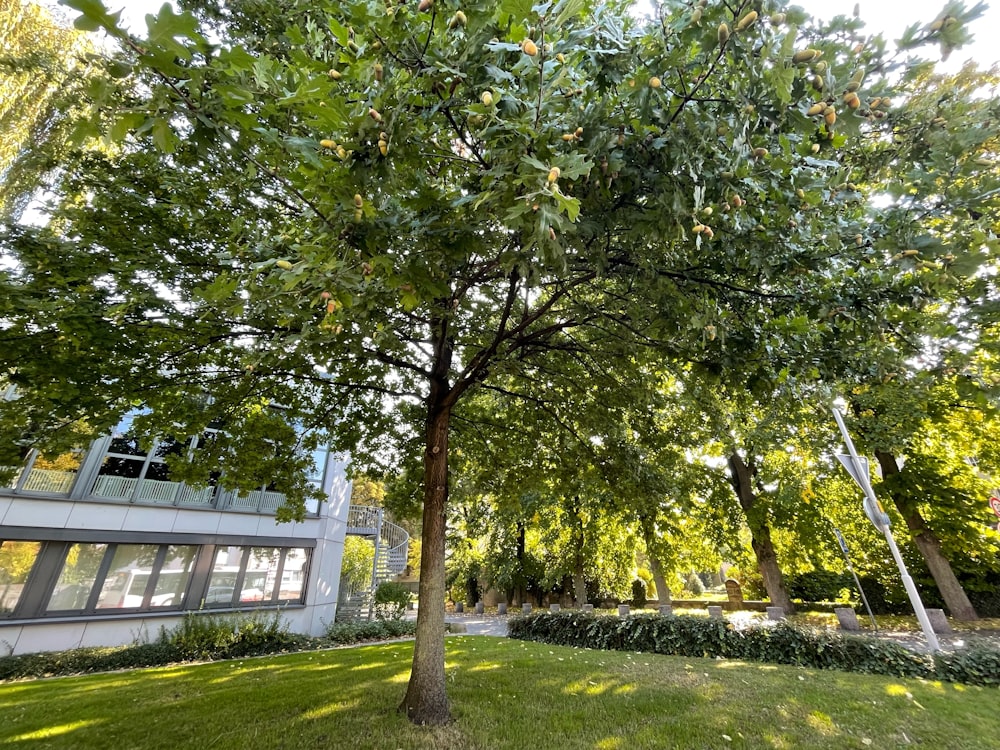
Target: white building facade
(99,547)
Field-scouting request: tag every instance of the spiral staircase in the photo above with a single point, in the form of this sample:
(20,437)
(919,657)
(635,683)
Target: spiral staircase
(391,547)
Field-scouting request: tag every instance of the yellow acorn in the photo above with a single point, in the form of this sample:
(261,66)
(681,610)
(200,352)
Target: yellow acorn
(327,143)
(358,201)
(804,56)
(341,152)
(814,148)
(747,21)
(378,71)
(334,74)
(760,153)
(569,137)
(554,174)
(561,57)
(283,264)
(486,98)
(383,146)
(358,215)
(696,17)
(654,82)
(816,109)
(723,33)
(830,116)
(698,228)
(851,100)
(458,20)
(529,48)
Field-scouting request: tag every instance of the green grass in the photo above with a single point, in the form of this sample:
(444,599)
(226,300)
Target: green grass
(505,694)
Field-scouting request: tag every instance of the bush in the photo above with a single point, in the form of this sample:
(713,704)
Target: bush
(391,600)
(209,637)
(638,594)
(818,585)
(781,643)
(379,630)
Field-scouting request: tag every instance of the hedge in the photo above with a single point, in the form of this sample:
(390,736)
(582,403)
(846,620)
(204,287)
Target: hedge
(778,643)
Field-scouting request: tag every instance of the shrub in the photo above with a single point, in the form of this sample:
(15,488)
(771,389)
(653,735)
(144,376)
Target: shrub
(379,630)
(391,600)
(780,643)
(638,593)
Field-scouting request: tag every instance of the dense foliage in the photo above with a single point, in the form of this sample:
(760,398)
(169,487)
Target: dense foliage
(779,643)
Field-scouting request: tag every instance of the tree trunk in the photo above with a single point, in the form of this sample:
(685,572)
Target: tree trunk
(929,546)
(741,477)
(662,591)
(426,700)
(579,588)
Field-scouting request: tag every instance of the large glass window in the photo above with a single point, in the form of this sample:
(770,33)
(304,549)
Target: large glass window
(128,576)
(16,561)
(77,577)
(91,579)
(51,474)
(172,582)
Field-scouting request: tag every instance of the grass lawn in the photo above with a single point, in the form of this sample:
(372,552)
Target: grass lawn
(505,695)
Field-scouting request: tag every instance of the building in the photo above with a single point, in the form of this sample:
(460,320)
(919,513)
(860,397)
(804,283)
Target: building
(100,547)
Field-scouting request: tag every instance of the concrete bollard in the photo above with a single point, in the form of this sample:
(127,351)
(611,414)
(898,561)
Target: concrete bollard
(623,610)
(554,608)
(666,610)
(775,613)
(847,618)
(526,607)
(939,623)
(459,607)
(502,608)
(588,607)
(715,611)
(480,608)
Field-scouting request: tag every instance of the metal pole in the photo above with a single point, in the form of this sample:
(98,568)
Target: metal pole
(861,475)
(857,581)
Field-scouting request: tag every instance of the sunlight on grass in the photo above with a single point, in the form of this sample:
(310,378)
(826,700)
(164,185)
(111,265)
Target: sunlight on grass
(330,709)
(373,665)
(609,743)
(487,667)
(822,722)
(896,690)
(49,732)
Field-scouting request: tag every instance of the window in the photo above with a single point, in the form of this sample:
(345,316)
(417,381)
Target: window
(130,473)
(55,578)
(77,578)
(16,562)
(53,475)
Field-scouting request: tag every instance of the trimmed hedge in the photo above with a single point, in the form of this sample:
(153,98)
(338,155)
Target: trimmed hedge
(780,643)
(198,638)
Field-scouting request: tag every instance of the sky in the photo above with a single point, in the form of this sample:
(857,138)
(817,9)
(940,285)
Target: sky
(890,17)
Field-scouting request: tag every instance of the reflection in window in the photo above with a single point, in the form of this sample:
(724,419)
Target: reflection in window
(127,578)
(293,575)
(171,583)
(261,576)
(225,571)
(16,560)
(76,580)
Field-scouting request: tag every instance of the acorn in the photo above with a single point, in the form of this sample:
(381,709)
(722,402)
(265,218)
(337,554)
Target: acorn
(696,17)
(383,146)
(747,21)
(851,100)
(375,115)
(358,201)
(486,98)
(327,143)
(529,48)
(816,109)
(334,74)
(805,56)
(760,153)
(458,20)
(554,174)
(283,264)
(425,5)
(654,82)
(723,33)
(830,116)
(378,71)
(777,19)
